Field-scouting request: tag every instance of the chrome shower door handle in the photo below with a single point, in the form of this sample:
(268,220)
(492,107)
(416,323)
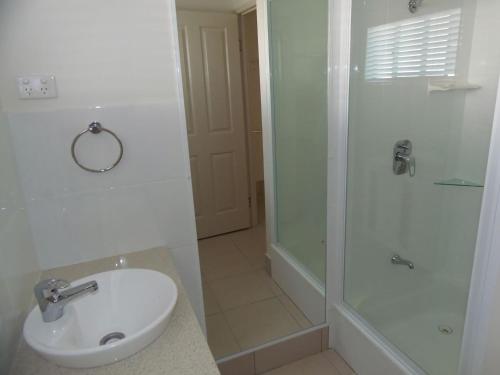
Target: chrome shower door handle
(403,161)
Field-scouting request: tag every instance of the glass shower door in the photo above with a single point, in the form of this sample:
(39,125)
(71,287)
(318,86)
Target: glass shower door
(298,35)
(423,82)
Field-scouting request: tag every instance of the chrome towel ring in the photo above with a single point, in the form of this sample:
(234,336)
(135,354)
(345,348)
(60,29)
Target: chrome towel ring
(96,128)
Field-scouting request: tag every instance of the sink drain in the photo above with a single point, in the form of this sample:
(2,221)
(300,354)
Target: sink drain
(111,338)
(445,330)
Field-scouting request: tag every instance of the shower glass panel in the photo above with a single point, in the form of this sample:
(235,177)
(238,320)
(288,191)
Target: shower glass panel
(428,77)
(298,34)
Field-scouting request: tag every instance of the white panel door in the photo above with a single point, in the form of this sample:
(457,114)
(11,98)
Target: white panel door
(214,109)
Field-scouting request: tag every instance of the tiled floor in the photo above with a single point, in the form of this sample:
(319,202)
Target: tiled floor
(244,307)
(325,363)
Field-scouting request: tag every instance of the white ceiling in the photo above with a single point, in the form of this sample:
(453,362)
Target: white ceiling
(215,5)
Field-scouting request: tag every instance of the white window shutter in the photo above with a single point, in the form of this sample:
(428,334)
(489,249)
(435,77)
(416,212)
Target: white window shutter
(417,47)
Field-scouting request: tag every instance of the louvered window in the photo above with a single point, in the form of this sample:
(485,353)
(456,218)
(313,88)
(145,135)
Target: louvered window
(417,47)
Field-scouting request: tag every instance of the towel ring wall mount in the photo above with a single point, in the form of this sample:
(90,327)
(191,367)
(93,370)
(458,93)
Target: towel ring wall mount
(96,128)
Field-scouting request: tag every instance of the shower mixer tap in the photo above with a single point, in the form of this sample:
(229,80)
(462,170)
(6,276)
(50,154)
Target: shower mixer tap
(402,159)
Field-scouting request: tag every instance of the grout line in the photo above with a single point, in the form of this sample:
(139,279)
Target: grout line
(333,363)
(232,335)
(271,343)
(249,304)
(289,313)
(235,275)
(247,258)
(240,252)
(207,286)
(232,331)
(253,268)
(267,340)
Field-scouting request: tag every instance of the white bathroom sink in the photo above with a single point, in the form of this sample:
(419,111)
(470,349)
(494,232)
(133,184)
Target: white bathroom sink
(134,302)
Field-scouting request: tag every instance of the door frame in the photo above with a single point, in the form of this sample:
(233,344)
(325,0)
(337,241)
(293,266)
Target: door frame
(252,181)
(486,266)
(267,121)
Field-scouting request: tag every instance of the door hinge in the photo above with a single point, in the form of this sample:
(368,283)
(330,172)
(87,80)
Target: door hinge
(249,201)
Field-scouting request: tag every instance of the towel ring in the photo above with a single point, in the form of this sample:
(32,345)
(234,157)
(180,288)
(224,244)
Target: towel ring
(96,128)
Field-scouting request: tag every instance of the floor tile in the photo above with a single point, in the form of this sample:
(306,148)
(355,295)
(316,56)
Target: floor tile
(257,260)
(313,365)
(242,365)
(291,369)
(271,283)
(219,258)
(220,338)
(260,322)
(339,363)
(251,239)
(235,283)
(252,243)
(216,247)
(288,351)
(230,265)
(242,289)
(211,304)
(297,314)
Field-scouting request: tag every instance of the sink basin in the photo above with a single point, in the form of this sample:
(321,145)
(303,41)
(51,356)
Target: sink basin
(129,311)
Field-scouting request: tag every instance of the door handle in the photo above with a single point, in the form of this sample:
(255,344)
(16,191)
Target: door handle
(403,161)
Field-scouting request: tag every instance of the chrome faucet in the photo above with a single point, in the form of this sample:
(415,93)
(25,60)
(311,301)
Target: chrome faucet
(52,299)
(396,259)
(402,159)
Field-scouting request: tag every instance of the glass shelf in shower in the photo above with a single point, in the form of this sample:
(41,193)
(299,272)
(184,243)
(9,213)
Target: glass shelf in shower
(458,182)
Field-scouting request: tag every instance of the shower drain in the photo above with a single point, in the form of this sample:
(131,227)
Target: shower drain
(445,330)
(111,338)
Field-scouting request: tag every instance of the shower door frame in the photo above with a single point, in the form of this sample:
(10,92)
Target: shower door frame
(349,333)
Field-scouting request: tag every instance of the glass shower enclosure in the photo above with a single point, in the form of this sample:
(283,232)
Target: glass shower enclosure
(298,63)
(423,82)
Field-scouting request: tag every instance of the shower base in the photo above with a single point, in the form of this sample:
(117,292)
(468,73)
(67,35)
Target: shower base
(420,337)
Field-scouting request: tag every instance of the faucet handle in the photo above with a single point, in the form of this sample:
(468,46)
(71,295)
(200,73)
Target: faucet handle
(46,287)
(57,284)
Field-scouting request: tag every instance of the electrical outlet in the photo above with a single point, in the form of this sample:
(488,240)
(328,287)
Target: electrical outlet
(37,87)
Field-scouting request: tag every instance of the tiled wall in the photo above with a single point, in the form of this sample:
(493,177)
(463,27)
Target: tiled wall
(114,62)
(18,267)
(433,226)
(79,216)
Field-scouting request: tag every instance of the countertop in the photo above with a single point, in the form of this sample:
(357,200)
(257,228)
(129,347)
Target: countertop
(181,350)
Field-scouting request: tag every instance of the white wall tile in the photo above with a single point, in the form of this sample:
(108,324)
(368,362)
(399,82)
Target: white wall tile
(100,52)
(19,270)
(90,225)
(120,70)
(187,263)
(150,134)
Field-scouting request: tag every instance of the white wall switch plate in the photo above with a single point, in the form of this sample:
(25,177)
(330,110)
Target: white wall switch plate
(37,87)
